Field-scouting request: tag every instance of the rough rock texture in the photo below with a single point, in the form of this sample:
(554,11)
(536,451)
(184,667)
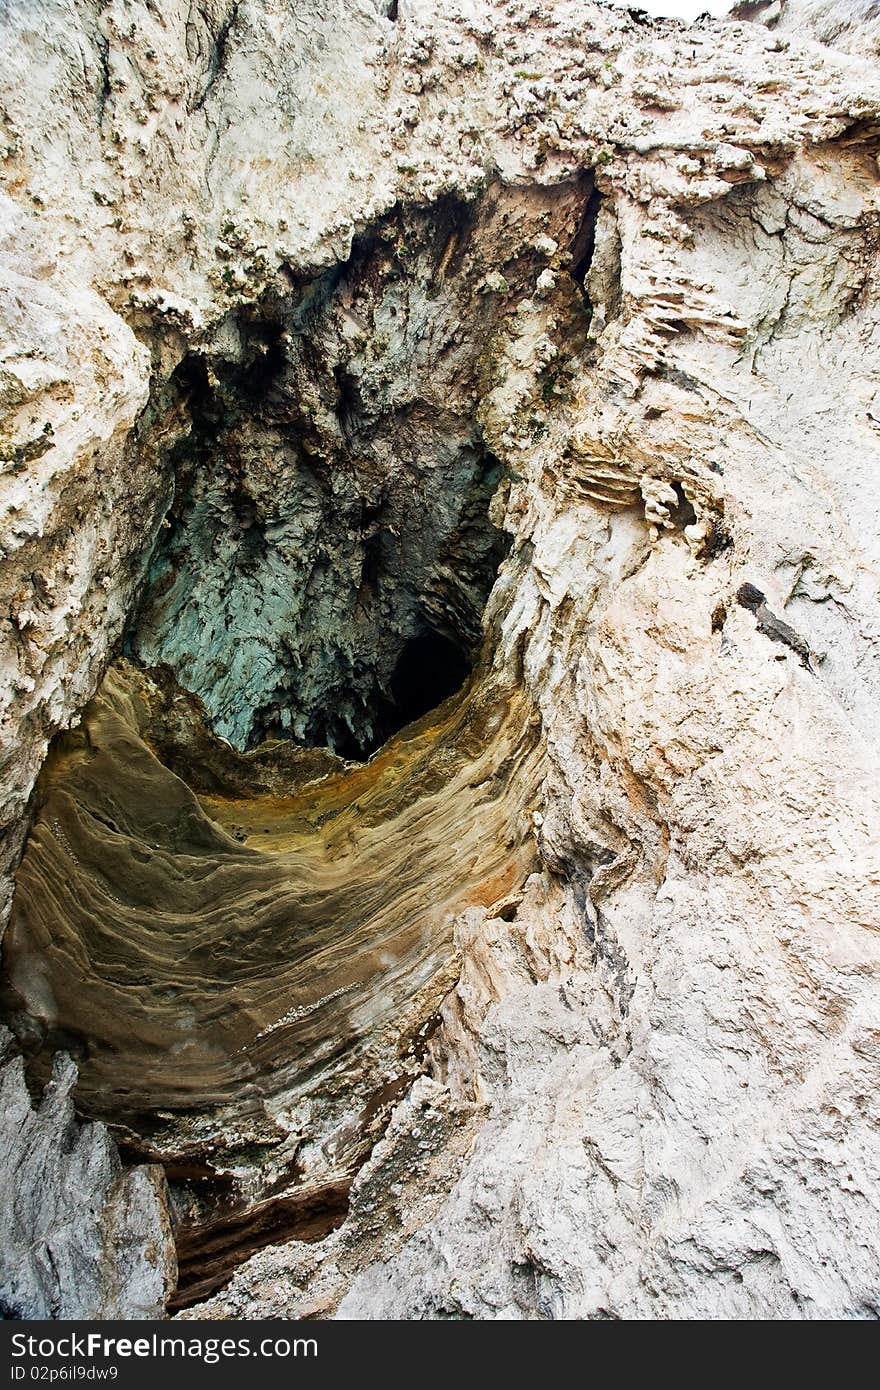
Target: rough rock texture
(81,1237)
(330,526)
(250,979)
(851,25)
(651,1081)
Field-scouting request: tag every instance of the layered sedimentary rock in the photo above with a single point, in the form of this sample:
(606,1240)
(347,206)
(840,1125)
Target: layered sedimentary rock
(249,978)
(441,547)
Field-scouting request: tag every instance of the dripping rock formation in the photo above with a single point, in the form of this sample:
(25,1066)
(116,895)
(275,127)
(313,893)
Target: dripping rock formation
(440,666)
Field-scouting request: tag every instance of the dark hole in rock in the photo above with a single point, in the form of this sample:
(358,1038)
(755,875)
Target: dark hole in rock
(683,513)
(209,1256)
(585,241)
(327,555)
(431,667)
(594,261)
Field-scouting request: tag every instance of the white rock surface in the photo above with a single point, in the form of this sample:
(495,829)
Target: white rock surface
(81,1237)
(851,25)
(655,1092)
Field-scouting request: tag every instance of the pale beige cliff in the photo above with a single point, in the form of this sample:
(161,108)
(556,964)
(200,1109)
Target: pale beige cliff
(549,335)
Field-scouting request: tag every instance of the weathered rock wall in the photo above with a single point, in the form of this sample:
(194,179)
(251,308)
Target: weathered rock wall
(82,1238)
(852,26)
(653,1087)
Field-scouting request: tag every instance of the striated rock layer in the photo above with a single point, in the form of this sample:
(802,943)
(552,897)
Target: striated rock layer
(440,652)
(249,978)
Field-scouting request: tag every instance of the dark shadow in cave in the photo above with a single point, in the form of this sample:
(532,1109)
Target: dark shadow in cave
(313,579)
(430,668)
(208,1256)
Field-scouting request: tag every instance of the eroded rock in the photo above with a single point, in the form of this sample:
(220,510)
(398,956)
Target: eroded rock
(82,1236)
(588,954)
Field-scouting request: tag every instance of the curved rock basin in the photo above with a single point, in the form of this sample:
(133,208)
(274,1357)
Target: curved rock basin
(228,952)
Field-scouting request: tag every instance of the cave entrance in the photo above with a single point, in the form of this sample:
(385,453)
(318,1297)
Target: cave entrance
(329,550)
(431,667)
(328,553)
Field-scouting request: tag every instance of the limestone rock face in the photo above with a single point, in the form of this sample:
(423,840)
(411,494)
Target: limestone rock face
(441,652)
(81,1237)
(853,25)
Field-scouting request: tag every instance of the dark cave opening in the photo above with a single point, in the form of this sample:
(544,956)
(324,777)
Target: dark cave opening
(314,581)
(431,667)
(584,243)
(683,513)
(328,554)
